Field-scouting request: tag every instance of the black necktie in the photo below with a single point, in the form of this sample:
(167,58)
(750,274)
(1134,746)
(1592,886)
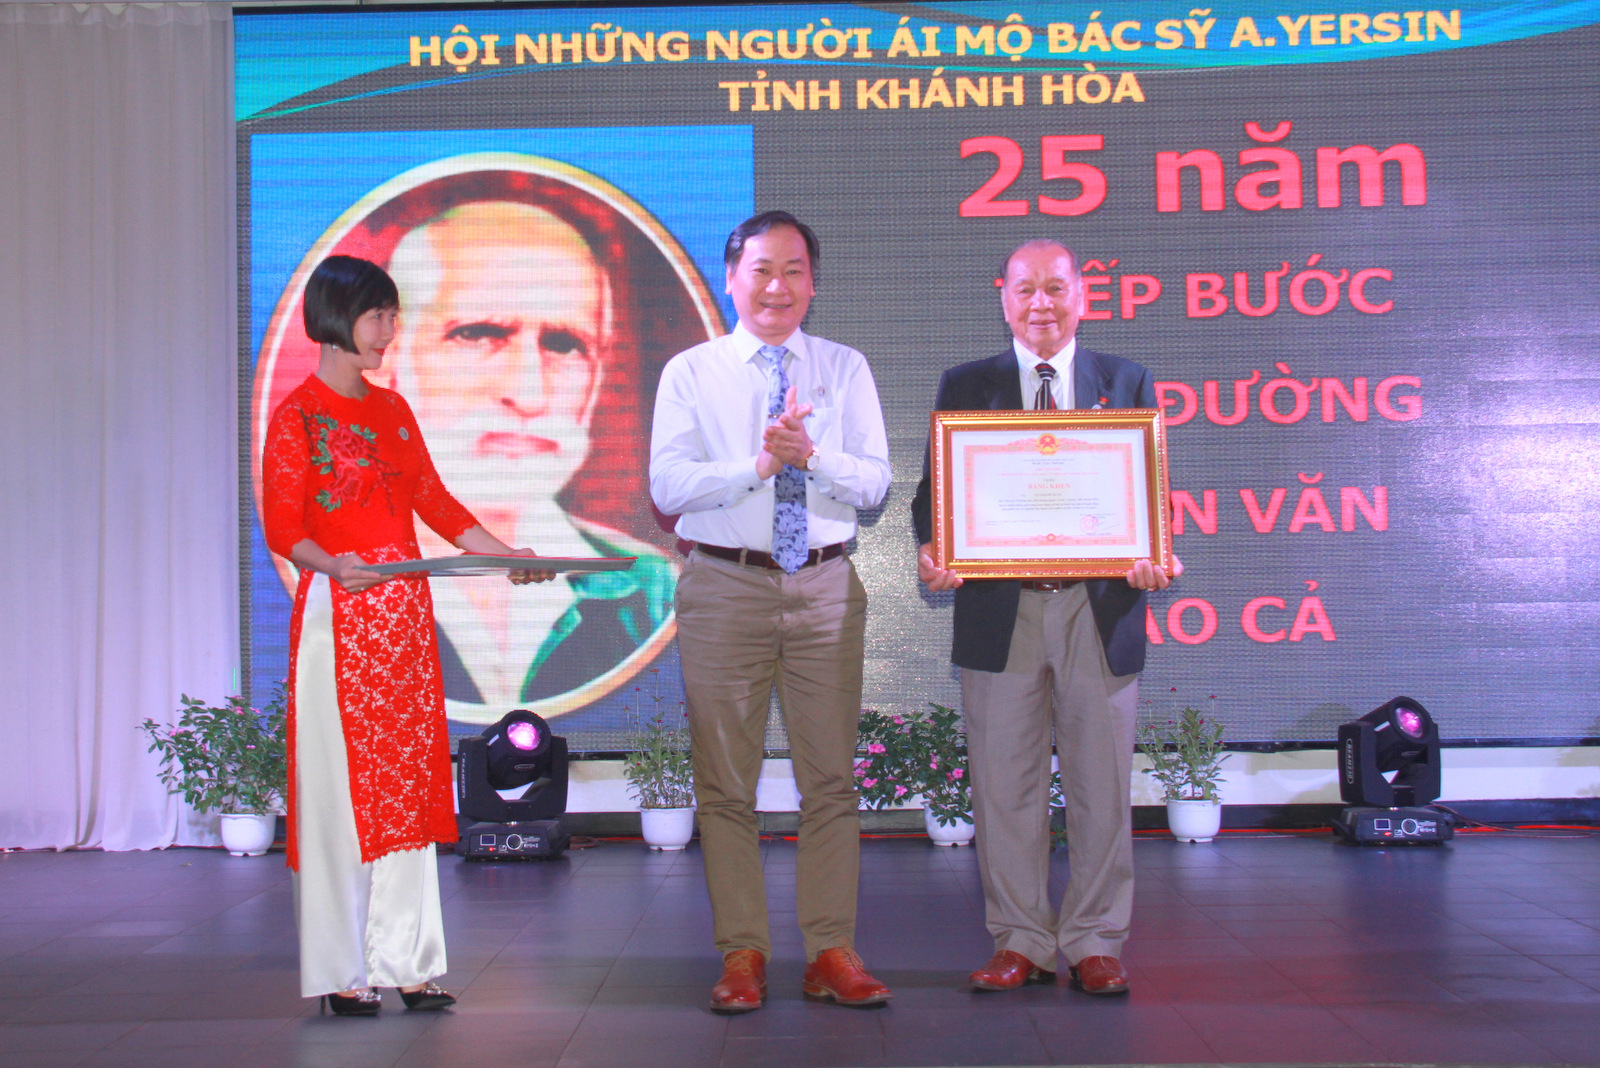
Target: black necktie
(1046,400)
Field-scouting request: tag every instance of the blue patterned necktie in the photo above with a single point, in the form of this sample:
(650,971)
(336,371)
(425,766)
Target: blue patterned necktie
(789,537)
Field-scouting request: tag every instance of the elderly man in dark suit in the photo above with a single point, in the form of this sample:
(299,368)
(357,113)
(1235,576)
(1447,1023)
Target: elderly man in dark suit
(1043,657)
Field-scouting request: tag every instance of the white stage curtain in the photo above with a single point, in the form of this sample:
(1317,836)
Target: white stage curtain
(118,498)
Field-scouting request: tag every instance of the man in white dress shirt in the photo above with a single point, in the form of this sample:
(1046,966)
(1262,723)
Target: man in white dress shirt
(765,442)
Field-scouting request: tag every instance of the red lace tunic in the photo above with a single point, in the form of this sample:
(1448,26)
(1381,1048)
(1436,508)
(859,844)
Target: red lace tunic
(348,474)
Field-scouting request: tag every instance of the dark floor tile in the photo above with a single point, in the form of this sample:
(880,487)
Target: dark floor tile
(599,1049)
(392,1025)
(495,1040)
(1307,947)
(102,1008)
(1285,932)
(1167,950)
(1154,1034)
(1278,1033)
(1569,1046)
(533,977)
(1449,967)
(291,1054)
(1259,914)
(795,1017)
(482,1053)
(1333,986)
(803,1051)
(1180,985)
(38,1058)
(1511,996)
(216,1031)
(964,1046)
(1433,1032)
(1418,1046)
(503,1000)
(129,977)
(85,1035)
(212,1056)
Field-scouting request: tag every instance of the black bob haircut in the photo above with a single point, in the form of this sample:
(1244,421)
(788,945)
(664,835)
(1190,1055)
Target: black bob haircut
(341,290)
(757,225)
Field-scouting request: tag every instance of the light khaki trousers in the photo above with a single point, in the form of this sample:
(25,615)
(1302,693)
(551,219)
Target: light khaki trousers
(1056,680)
(740,630)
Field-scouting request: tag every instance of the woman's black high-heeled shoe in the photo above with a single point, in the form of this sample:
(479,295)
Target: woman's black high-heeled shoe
(431,998)
(365,1003)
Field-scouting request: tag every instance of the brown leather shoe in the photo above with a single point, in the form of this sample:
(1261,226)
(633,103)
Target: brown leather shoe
(838,975)
(1007,971)
(743,986)
(1100,975)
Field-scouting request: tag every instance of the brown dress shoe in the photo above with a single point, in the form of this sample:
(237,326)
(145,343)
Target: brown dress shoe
(1007,971)
(1100,975)
(838,975)
(743,986)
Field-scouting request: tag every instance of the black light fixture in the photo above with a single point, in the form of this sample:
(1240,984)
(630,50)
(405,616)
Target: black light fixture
(512,781)
(1388,772)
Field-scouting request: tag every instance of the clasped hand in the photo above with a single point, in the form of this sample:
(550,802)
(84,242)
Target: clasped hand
(785,441)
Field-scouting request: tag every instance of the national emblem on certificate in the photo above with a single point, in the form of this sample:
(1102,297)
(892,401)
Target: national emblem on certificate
(1050,494)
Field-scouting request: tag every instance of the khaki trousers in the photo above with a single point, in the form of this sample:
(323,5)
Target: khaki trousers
(1055,679)
(740,630)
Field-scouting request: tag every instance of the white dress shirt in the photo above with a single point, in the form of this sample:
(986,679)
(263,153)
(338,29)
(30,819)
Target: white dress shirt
(1061,388)
(711,411)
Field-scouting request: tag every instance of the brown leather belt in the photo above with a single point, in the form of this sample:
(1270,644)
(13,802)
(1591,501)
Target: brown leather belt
(1048,585)
(757,558)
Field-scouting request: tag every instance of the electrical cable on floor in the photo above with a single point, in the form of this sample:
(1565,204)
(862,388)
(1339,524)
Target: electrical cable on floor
(1468,825)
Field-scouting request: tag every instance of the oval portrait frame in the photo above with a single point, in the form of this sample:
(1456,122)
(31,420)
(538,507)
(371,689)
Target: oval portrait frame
(267,391)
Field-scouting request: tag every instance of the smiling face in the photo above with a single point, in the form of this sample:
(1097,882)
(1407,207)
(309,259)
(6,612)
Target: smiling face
(372,332)
(771,285)
(1042,296)
(507,315)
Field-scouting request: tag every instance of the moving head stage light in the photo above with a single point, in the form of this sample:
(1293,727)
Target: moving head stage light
(1402,739)
(512,780)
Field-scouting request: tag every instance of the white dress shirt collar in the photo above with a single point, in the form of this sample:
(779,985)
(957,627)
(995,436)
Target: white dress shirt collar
(1027,360)
(748,346)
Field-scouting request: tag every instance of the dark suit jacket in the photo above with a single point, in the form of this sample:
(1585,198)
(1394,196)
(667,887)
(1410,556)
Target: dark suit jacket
(986,609)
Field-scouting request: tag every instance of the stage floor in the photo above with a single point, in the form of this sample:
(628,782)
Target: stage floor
(1288,950)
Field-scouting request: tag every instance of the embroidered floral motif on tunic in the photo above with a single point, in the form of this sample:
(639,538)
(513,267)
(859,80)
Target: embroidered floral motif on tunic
(348,474)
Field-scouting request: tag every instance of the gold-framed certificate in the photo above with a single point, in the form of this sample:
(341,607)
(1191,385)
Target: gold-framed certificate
(1050,494)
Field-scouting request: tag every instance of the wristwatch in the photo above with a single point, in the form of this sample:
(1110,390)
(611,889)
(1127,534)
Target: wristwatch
(814,459)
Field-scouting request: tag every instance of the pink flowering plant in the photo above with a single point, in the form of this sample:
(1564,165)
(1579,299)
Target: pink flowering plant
(231,758)
(1185,756)
(907,755)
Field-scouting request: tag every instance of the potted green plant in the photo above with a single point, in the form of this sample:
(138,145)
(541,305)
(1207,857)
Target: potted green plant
(230,759)
(660,774)
(1186,758)
(912,755)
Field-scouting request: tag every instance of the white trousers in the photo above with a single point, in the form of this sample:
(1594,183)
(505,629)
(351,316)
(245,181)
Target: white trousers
(361,925)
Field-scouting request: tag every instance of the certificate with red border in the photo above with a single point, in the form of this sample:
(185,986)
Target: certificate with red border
(1050,494)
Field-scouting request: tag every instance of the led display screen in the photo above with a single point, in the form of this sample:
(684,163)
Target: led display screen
(1355,248)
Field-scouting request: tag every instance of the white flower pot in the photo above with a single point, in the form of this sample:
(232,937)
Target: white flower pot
(667,828)
(1194,821)
(954,834)
(245,834)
